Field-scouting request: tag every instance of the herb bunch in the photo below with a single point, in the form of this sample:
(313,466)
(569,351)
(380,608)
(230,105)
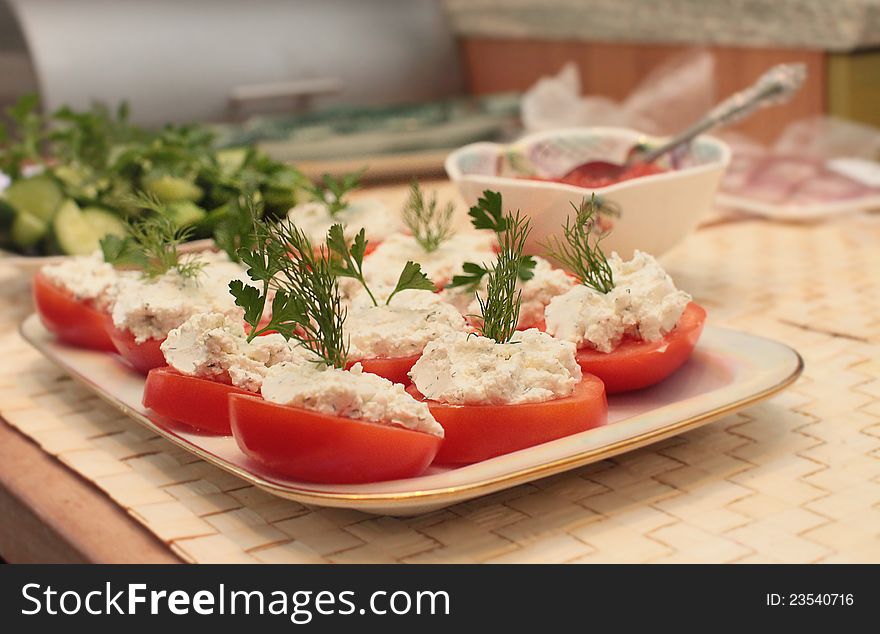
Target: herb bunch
(499,310)
(430,225)
(97,157)
(488,214)
(333,191)
(348,261)
(579,249)
(152,244)
(307,306)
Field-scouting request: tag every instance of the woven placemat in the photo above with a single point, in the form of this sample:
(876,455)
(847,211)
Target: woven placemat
(794,479)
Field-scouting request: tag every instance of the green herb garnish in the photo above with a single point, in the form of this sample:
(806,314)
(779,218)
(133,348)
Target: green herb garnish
(22,143)
(307,306)
(499,310)
(579,250)
(153,245)
(487,214)
(431,226)
(332,191)
(348,261)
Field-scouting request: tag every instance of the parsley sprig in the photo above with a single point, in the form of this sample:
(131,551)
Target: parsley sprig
(333,191)
(152,244)
(579,250)
(488,214)
(430,225)
(499,310)
(348,261)
(307,306)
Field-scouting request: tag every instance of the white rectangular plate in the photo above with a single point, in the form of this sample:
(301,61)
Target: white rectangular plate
(729,370)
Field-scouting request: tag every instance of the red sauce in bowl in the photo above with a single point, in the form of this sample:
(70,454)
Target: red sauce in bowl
(582,176)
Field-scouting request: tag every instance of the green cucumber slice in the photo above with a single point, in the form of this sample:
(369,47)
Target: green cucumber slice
(185,213)
(38,196)
(169,189)
(72,231)
(28,229)
(104,222)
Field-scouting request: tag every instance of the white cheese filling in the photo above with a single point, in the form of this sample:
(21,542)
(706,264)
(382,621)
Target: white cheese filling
(383,265)
(87,277)
(214,346)
(401,329)
(546,283)
(314,219)
(149,309)
(463,369)
(348,393)
(644,304)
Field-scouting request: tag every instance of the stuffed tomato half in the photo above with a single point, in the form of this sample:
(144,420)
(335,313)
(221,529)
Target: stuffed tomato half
(635,364)
(493,398)
(633,328)
(388,338)
(323,424)
(75,321)
(210,357)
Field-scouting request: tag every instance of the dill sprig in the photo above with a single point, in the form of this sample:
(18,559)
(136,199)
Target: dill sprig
(430,225)
(307,306)
(153,244)
(332,191)
(348,261)
(579,250)
(499,310)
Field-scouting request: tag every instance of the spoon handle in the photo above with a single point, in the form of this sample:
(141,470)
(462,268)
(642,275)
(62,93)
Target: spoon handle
(776,86)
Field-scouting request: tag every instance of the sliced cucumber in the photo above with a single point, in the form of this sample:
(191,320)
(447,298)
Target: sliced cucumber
(28,229)
(232,158)
(104,222)
(39,196)
(172,188)
(74,232)
(185,213)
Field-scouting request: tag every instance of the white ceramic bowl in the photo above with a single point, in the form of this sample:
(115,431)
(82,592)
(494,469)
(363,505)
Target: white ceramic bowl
(657,211)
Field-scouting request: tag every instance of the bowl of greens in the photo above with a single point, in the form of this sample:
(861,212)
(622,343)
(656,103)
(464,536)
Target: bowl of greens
(74,177)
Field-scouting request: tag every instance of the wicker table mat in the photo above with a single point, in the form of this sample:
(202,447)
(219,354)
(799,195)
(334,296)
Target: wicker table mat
(794,479)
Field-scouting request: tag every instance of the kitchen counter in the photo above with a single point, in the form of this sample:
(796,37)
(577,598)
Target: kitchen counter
(793,479)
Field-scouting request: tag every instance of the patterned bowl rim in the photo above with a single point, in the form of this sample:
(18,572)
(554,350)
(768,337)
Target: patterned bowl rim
(451,164)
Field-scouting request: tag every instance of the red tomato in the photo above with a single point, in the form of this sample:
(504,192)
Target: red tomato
(73,321)
(479,432)
(142,356)
(315,447)
(199,403)
(635,364)
(394,369)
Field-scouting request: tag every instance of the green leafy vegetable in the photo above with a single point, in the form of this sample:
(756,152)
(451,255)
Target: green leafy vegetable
(499,310)
(22,144)
(348,261)
(333,191)
(579,250)
(99,159)
(307,306)
(153,245)
(431,226)
(487,213)
(411,278)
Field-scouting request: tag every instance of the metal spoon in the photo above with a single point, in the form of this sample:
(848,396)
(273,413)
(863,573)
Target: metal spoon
(776,86)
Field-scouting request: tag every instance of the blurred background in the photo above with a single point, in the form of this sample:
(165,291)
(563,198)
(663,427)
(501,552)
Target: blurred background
(393,84)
